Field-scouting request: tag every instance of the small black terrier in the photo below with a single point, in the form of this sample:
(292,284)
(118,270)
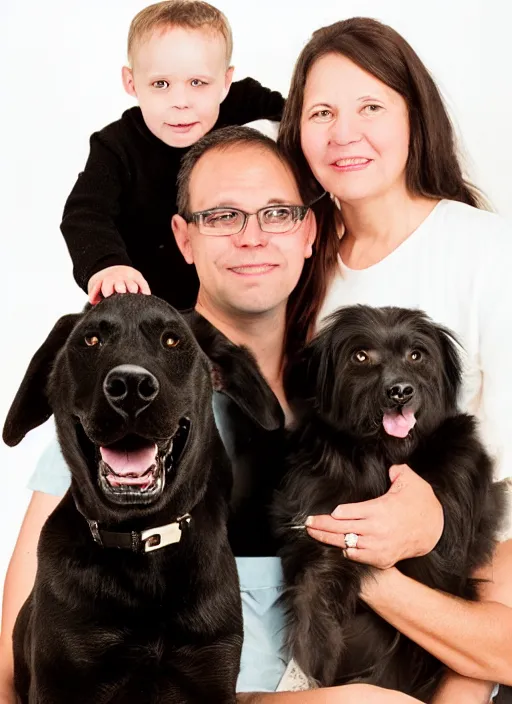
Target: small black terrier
(376,387)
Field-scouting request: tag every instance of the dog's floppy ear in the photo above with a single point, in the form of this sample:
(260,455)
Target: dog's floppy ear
(30,407)
(237,376)
(450,347)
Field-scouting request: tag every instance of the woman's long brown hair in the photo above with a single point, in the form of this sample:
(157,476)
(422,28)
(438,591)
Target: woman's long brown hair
(433,169)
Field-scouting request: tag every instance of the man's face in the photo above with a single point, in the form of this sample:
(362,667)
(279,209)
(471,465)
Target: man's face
(252,272)
(180,78)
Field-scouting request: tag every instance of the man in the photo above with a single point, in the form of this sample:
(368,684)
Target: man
(249,246)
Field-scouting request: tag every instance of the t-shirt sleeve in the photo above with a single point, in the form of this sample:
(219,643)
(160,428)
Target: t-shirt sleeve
(90,214)
(495,298)
(51,475)
(248,100)
(266,127)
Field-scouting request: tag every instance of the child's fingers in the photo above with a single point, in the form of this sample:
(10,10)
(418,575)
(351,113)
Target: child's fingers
(110,284)
(141,283)
(107,287)
(95,293)
(144,287)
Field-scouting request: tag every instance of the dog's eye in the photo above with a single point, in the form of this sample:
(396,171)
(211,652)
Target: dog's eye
(361,357)
(415,356)
(171,341)
(92,340)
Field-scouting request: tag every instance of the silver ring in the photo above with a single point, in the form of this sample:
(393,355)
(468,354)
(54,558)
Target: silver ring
(351,540)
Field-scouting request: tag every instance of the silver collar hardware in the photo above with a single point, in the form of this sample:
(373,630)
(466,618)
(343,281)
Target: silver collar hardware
(143,541)
(156,538)
(93,525)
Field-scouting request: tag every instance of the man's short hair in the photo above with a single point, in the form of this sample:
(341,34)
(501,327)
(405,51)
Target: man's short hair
(189,14)
(221,140)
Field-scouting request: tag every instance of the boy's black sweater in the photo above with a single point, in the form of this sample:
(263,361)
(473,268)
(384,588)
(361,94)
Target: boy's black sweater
(120,209)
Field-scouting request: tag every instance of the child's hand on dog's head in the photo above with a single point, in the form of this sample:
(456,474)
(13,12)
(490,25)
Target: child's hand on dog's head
(116,279)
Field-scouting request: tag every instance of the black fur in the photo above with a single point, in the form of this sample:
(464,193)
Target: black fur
(252,429)
(340,453)
(112,626)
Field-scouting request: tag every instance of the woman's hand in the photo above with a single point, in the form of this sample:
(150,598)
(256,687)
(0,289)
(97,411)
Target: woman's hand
(405,522)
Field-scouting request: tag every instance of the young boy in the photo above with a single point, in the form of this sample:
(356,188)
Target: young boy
(117,219)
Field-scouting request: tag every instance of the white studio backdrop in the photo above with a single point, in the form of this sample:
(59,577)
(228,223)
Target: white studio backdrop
(61,80)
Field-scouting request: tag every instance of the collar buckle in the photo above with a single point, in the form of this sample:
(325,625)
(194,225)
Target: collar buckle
(159,537)
(95,531)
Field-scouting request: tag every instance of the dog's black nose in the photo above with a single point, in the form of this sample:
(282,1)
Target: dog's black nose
(401,392)
(130,389)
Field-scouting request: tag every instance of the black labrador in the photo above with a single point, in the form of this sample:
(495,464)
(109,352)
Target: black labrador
(136,598)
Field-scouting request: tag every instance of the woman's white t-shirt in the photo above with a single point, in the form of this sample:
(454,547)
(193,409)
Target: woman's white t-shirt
(457,267)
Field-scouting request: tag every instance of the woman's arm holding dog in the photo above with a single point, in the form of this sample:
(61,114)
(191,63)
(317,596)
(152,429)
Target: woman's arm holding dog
(19,582)
(407,521)
(7,694)
(471,638)
(348,694)
(456,688)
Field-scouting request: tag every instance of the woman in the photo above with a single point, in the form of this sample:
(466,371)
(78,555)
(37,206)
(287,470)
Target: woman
(365,122)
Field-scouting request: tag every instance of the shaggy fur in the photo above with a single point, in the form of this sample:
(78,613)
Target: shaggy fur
(116,626)
(343,385)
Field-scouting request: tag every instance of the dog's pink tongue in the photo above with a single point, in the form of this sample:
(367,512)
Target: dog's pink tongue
(398,424)
(136,462)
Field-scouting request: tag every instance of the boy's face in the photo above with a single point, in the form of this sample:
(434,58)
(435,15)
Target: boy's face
(253,272)
(179,78)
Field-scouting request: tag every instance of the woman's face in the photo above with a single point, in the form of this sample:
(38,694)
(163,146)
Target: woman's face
(354,131)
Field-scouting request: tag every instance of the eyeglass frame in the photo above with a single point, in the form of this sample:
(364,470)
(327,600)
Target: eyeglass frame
(301,209)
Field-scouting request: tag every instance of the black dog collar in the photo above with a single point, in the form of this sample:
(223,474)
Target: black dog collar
(140,541)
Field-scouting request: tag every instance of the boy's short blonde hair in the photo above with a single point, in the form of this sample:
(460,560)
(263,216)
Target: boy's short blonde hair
(190,14)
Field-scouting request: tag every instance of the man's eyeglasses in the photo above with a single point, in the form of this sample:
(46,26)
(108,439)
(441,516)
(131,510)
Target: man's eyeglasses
(273,219)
